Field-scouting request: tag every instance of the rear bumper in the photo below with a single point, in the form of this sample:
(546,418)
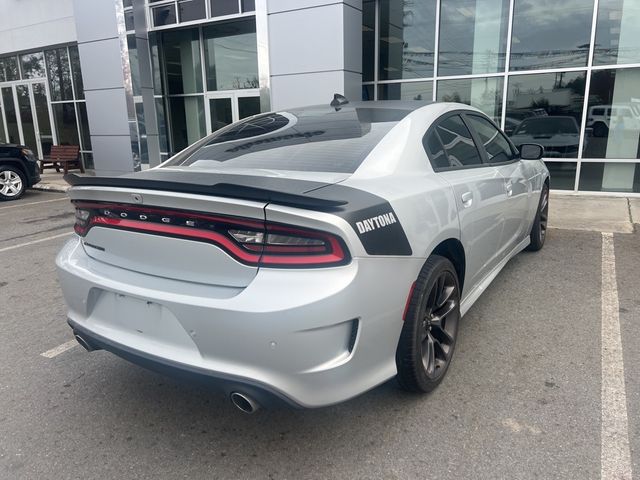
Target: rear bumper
(286,337)
(263,394)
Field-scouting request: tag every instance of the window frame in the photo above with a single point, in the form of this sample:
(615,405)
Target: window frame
(484,160)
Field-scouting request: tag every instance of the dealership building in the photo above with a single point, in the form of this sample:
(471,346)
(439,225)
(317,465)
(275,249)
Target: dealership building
(134,81)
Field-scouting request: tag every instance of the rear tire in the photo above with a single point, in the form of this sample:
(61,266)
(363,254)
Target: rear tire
(12,183)
(539,229)
(428,337)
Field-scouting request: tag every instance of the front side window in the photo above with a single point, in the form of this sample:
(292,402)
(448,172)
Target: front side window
(497,147)
(458,142)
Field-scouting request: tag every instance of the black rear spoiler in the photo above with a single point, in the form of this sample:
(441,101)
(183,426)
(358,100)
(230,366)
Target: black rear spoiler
(294,193)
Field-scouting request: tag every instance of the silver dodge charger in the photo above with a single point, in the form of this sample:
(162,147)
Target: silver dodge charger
(307,255)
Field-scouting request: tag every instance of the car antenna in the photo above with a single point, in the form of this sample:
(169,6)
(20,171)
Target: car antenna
(338,101)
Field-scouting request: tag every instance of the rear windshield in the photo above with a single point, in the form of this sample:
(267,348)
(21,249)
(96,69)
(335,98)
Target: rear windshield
(322,140)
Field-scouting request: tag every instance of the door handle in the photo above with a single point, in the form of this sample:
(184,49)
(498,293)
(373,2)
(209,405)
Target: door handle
(467,199)
(509,188)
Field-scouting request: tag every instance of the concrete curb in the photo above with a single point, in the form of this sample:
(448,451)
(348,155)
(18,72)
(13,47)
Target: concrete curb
(51,187)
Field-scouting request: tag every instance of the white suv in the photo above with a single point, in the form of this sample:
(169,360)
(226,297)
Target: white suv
(599,118)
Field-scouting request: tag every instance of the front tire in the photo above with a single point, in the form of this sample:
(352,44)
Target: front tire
(428,337)
(12,183)
(539,229)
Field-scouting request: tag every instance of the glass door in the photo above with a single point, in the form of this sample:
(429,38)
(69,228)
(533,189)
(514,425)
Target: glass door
(224,108)
(27,120)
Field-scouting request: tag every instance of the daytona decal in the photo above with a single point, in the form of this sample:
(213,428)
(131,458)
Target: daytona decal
(373,223)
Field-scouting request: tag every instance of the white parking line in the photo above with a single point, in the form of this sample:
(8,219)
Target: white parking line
(26,244)
(54,352)
(615,453)
(34,203)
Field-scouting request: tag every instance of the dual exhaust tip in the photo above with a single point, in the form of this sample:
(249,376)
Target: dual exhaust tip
(241,401)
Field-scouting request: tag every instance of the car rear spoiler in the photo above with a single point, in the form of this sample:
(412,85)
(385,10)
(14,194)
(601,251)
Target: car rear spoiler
(294,193)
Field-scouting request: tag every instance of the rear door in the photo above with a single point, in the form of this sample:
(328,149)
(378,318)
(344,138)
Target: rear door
(478,189)
(517,187)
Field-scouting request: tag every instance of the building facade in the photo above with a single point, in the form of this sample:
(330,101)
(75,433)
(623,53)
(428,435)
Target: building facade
(134,81)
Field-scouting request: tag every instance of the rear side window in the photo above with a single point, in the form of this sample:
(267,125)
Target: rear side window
(434,149)
(458,143)
(497,147)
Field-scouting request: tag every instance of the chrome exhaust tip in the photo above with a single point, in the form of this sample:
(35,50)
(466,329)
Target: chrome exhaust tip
(86,345)
(244,402)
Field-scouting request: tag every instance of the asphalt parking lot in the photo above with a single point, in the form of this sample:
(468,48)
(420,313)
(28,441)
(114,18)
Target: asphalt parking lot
(524,397)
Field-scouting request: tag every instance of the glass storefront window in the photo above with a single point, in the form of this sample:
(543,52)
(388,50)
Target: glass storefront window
(248,106)
(134,68)
(223,7)
(84,126)
(550,34)
(187,121)
(473,36)
(59,74)
(162,125)
(546,109)
(367,92)
(610,177)
(128,20)
(248,5)
(407,39)
(563,175)
(32,65)
(406,91)
(9,69)
(64,115)
(191,10)
(617,39)
(76,72)
(613,117)
(182,61)
(156,64)
(165,15)
(10,115)
(42,114)
(368,39)
(231,55)
(482,93)
(2,136)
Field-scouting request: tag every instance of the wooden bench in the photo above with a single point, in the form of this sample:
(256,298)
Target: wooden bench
(62,156)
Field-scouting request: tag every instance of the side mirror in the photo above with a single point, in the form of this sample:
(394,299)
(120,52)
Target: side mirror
(531,151)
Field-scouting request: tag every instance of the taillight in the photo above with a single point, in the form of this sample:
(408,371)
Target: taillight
(249,241)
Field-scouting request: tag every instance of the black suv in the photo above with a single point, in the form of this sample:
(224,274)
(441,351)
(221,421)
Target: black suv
(18,171)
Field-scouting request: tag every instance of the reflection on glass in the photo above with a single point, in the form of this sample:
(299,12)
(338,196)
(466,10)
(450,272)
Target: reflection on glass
(2,135)
(128,20)
(617,39)
(162,125)
(546,109)
(182,61)
(221,115)
(156,64)
(165,15)
(482,93)
(248,106)
(191,10)
(10,113)
(406,91)
(134,66)
(231,55)
(248,5)
(458,143)
(9,69)
(32,65)
(473,36)
(367,92)
(59,74)
(223,7)
(64,115)
(42,114)
(407,38)
(563,175)
(610,177)
(187,121)
(26,117)
(550,34)
(84,126)
(368,39)
(76,72)
(87,160)
(613,117)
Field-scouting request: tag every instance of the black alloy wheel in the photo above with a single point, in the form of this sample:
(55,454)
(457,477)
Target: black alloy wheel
(539,228)
(429,334)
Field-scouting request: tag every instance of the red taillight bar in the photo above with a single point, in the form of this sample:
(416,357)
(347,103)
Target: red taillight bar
(215,230)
